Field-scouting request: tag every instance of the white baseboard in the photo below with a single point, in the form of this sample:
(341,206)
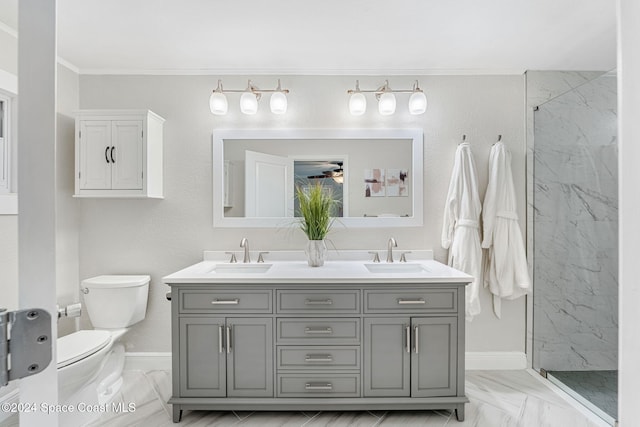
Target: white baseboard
(495,360)
(147,361)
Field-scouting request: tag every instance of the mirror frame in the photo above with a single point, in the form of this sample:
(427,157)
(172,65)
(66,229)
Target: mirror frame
(222,135)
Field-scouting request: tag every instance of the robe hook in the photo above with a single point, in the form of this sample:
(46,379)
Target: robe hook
(499,138)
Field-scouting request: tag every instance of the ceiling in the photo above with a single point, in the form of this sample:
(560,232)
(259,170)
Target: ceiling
(332,36)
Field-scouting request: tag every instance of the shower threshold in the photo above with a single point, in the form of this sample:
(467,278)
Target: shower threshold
(596,390)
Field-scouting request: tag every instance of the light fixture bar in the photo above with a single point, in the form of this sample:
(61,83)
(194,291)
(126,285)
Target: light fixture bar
(251,88)
(385,88)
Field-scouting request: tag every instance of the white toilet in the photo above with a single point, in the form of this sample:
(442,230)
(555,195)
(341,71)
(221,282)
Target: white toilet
(90,362)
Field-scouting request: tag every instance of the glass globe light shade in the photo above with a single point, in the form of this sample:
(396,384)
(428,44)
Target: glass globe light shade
(417,103)
(278,103)
(248,103)
(357,104)
(387,104)
(218,104)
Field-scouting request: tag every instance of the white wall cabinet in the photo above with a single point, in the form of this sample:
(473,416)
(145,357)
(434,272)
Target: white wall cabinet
(119,153)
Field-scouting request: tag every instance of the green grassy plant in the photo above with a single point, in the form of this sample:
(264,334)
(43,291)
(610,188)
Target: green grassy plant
(316,206)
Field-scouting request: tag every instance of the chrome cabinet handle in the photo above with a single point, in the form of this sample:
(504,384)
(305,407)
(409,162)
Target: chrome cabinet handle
(318,330)
(415,338)
(318,302)
(318,358)
(407,330)
(106,154)
(402,301)
(318,386)
(228,339)
(234,301)
(112,150)
(220,345)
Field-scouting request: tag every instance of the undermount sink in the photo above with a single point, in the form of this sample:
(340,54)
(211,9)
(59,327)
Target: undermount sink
(233,268)
(396,268)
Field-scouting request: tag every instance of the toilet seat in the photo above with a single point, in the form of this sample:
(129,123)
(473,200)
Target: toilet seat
(79,345)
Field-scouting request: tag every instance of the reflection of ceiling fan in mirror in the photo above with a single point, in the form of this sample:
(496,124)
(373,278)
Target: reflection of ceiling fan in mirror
(336,174)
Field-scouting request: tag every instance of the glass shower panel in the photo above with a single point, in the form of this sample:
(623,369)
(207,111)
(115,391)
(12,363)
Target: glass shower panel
(575,238)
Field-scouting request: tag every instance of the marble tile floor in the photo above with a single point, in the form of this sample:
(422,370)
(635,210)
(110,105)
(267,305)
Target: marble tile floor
(497,399)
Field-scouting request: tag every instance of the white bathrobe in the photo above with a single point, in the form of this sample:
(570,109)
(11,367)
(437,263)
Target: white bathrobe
(460,230)
(506,274)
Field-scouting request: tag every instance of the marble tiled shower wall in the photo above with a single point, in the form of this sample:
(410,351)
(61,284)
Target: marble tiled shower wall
(575,226)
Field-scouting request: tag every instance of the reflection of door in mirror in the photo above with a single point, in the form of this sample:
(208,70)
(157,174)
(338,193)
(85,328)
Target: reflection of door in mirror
(329,173)
(268,185)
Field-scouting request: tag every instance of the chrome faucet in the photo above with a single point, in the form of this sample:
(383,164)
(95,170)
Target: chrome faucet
(244,243)
(390,245)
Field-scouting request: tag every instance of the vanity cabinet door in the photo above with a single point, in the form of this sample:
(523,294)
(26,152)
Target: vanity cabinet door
(249,357)
(202,357)
(434,356)
(387,357)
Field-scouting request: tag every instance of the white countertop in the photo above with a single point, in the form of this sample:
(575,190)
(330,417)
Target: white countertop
(292,267)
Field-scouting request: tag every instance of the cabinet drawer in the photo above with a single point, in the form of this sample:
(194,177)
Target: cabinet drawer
(225,301)
(411,300)
(299,301)
(319,385)
(318,357)
(318,331)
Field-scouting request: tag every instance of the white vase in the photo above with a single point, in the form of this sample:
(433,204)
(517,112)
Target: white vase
(316,252)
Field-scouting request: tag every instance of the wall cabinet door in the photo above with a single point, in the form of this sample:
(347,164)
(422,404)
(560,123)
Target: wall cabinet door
(250,357)
(434,356)
(202,357)
(95,151)
(387,357)
(126,155)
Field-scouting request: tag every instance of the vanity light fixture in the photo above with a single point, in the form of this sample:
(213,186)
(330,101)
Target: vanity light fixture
(249,99)
(386,99)
(357,101)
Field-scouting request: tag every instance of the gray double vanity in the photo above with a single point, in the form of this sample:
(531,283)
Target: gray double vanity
(351,335)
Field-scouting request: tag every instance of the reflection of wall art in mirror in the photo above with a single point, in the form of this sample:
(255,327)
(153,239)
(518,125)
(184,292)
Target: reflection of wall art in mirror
(396,182)
(374,183)
(339,157)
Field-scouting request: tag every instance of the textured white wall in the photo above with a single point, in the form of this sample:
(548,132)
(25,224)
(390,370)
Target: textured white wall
(161,236)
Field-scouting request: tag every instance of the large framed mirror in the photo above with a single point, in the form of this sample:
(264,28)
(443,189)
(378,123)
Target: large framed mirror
(376,174)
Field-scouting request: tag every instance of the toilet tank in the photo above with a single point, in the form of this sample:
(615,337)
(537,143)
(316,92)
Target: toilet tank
(116,301)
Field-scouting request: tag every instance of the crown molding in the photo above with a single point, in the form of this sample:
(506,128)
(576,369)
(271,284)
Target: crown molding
(300,72)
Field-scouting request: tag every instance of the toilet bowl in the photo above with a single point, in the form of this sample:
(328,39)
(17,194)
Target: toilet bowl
(90,362)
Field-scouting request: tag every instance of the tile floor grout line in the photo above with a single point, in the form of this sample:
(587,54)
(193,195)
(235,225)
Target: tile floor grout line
(155,391)
(311,419)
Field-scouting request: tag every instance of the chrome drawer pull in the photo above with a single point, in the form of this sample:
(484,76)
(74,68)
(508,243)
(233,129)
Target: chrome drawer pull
(415,337)
(228,339)
(318,358)
(234,301)
(318,330)
(411,301)
(318,302)
(220,334)
(318,386)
